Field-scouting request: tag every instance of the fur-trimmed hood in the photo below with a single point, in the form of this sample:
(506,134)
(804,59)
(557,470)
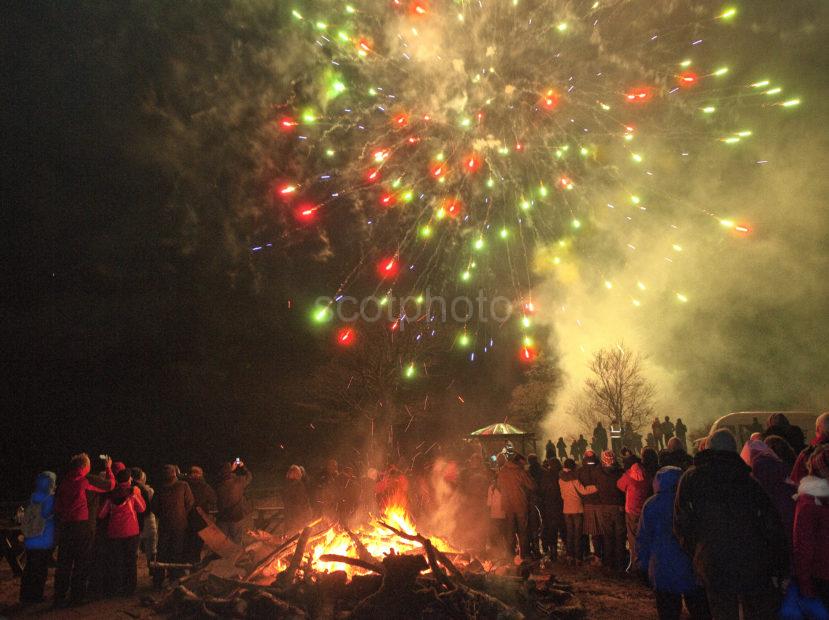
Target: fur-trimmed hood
(814,486)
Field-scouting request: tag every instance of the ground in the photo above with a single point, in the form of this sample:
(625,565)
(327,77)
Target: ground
(602,596)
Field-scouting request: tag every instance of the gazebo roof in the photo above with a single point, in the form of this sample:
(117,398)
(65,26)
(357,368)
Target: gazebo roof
(495,430)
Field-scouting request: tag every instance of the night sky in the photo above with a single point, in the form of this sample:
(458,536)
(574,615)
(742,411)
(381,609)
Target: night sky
(136,176)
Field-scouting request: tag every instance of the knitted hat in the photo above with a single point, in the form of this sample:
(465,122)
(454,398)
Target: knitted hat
(118,466)
(819,463)
(722,439)
(608,458)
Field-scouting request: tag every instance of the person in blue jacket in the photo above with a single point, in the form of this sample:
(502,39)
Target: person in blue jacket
(669,568)
(39,538)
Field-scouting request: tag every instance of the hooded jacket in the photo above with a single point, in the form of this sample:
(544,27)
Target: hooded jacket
(44,495)
(728,525)
(122,508)
(811,534)
(657,549)
(572,491)
(773,476)
(515,486)
(637,488)
(172,503)
(71,504)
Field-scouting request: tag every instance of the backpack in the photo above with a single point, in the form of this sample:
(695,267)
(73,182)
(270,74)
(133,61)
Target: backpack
(33,523)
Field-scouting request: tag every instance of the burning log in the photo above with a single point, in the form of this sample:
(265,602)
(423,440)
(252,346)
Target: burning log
(344,559)
(431,554)
(289,574)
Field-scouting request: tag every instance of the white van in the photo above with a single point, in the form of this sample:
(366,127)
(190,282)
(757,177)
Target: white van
(744,423)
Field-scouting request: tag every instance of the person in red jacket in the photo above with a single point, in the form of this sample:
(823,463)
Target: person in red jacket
(811,529)
(76,532)
(122,507)
(637,487)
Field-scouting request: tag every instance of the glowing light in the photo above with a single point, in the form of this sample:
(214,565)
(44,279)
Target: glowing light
(550,100)
(639,95)
(287,123)
(321,314)
(426,231)
(504,233)
(306,213)
(372,175)
(346,337)
(464,340)
(721,71)
(387,199)
(790,103)
(400,120)
(410,372)
(682,298)
(381,155)
(576,224)
(709,109)
(419,7)
(479,244)
(728,13)
(761,84)
(636,157)
(528,354)
(452,207)
(526,322)
(286,190)
(687,79)
(387,268)
(562,27)
(472,163)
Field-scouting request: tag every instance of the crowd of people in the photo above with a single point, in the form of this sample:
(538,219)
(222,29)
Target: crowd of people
(99,519)
(730,531)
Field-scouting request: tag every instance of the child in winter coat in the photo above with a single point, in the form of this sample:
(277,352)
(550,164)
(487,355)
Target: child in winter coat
(668,567)
(122,507)
(39,538)
(811,529)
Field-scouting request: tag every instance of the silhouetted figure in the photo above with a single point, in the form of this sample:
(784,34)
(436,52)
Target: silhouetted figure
(667,430)
(754,427)
(681,432)
(599,438)
(562,448)
(656,427)
(549,450)
(778,424)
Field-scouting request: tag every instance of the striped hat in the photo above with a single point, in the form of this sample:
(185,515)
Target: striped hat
(608,458)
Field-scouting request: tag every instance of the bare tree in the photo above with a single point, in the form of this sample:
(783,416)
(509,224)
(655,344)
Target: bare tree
(377,383)
(617,393)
